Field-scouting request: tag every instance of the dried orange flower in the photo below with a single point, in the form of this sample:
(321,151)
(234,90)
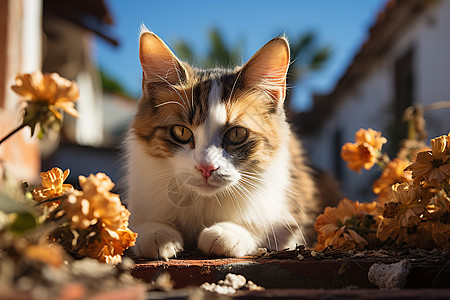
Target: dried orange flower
(371,138)
(440,221)
(341,226)
(106,206)
(111,245)
(96,205)
(403,209)
(433,166)
(48,89)
(52,185)
(418,236)
(394,173)
(407,203)
(366,150)
(79,211)
(358,156)
(441,233)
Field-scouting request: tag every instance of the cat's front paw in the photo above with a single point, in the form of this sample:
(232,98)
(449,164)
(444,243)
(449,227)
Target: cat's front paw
(157,241)
(226,239)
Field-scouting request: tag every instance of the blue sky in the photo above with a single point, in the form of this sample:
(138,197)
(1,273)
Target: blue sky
(341,24)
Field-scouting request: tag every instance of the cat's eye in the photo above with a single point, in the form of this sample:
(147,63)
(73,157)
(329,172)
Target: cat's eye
(236,136)
(181,134)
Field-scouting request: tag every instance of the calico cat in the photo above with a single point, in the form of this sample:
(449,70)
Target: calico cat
(212,162)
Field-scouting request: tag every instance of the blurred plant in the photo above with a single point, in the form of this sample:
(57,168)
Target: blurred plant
(111,85)
(307,57)
(220,54)
(39,226)
(87,223)
(23,245)
(45,97)
(17,214)
(91,222)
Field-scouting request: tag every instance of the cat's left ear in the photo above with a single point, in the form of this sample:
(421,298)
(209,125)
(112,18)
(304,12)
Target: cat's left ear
(159,64)
(267,69)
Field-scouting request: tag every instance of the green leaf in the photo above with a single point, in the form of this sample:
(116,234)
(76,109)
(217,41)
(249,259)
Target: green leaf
(23,222)
(41,132)
(319,58)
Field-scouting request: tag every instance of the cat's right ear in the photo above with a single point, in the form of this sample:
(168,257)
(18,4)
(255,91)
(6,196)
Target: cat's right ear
(267,69)
(158,62)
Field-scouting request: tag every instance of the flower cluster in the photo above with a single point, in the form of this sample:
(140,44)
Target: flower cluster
(394,173)
(344,225)
(413,204)
(94,213)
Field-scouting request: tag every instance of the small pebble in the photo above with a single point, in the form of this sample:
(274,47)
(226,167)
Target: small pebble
(261,252)
(231,284)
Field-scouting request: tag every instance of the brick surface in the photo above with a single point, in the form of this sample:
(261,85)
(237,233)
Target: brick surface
(301,294)
(292,274)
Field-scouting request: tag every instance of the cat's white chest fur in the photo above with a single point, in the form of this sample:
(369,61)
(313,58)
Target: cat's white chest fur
(257,213)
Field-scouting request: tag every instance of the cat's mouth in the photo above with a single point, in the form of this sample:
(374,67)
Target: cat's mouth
(206,189)
(186,183)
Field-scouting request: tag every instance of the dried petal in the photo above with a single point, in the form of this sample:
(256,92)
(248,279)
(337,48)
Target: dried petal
(52,185)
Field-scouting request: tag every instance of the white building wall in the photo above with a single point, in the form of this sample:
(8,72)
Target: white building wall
(21,153)
(363,107)
(369,103)
(433,66)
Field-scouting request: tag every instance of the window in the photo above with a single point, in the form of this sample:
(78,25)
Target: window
(403,94)
(337,140)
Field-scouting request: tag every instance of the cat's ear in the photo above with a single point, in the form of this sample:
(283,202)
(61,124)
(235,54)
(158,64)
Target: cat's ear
(267,69)
(158,62)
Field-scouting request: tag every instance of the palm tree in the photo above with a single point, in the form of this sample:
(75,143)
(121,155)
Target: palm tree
(306,57)
(220,54)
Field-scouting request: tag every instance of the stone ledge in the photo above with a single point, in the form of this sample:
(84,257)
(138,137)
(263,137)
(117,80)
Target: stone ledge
(291,274)
(367,294)
(307,294)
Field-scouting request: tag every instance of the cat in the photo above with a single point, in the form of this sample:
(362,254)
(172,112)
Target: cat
(212,163)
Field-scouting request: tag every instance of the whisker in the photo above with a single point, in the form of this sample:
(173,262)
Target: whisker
(252,177)
(247,192)
(218,201)
(179,78)
(171,102)
(234,84)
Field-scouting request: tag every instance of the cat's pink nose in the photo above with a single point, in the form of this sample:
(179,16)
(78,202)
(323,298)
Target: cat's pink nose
(206,170)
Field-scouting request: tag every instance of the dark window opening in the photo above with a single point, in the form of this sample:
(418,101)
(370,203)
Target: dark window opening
(337,138)
(403,97)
